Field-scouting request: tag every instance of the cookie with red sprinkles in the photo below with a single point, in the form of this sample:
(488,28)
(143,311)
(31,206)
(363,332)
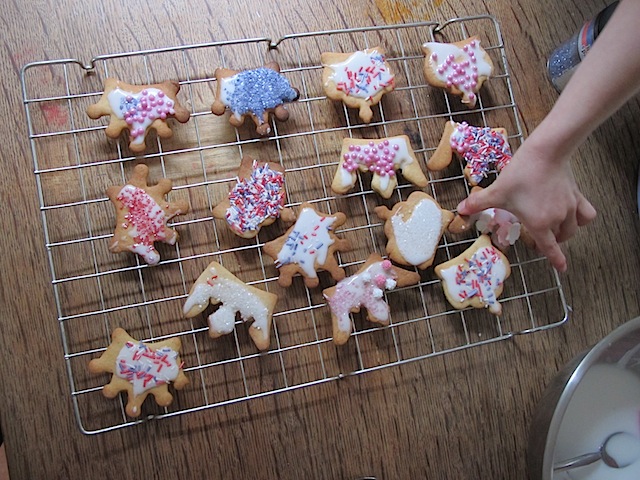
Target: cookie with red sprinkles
(257,199)
(142,213)
(140,369)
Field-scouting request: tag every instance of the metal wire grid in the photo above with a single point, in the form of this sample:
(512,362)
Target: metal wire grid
(95,291)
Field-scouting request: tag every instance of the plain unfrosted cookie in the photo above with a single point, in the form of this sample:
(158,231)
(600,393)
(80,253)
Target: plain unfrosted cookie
(460,68)
(137,108)
(358,79)
(309,246)
(482,149)
(140,369)
(383,158)
(257,199)
(476,276)
(414,229)
(142,214)
(253,94)
(218,286)
(365,289)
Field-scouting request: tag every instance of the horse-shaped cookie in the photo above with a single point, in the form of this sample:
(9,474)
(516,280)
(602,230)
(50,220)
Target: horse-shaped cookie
(365,289)
(138,108)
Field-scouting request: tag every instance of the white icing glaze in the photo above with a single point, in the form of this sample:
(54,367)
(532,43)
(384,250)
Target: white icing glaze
(234,296)
(382,157)
(417,237)
(479,277)
(459,67)
(146,368)
(140,110)
(362,75)
(363,289)
(308,243)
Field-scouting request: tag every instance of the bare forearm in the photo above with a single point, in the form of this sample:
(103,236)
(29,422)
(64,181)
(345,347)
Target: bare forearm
(607,77)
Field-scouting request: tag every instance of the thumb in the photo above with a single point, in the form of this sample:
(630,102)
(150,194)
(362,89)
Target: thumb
(476,202)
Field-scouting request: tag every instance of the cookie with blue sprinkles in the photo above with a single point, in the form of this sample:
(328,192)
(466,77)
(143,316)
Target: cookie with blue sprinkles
(255,94)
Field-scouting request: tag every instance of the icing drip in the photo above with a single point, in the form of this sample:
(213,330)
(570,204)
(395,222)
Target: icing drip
(478,277)
(255,199)
(362,75)
(482,148)
(140,110)
(364,289)
(146,368)
(145,221)
(256,91)
(308,243)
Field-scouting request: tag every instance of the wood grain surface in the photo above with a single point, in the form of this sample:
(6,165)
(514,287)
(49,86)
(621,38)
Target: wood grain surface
(463,415)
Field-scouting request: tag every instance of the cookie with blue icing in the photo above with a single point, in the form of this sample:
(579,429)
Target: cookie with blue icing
(253,94)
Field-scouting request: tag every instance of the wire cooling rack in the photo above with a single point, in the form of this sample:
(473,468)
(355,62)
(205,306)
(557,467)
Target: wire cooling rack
(97,291)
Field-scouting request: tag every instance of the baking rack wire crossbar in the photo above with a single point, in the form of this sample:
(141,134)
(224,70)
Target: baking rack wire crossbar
(432,29)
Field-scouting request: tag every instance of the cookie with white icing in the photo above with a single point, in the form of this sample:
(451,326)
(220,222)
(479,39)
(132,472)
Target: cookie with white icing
(460,68)
(309,246)
(140,369)
(142,213)
(138,108)
(414,229)
(365,289)
(483,150)
(383,157)
(358,79)
(257,199)
(476,276)
(218,286)
(255,94)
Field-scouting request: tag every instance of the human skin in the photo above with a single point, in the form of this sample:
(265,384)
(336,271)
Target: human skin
(538,185)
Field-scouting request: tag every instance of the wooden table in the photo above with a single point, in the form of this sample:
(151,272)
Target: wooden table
(464,414)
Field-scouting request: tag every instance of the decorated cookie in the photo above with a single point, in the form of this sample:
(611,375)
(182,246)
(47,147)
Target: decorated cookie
(142,214)
(460,68)
(476,276)
(365,289)
(140,369)
(482,148)
(254,94)
(413,229)
(503,227)
(309,246)
(257,200)
(383,158)
(358,79)
(217,285)
(138,108)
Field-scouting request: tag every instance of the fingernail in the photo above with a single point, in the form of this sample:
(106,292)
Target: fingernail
(461,205)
